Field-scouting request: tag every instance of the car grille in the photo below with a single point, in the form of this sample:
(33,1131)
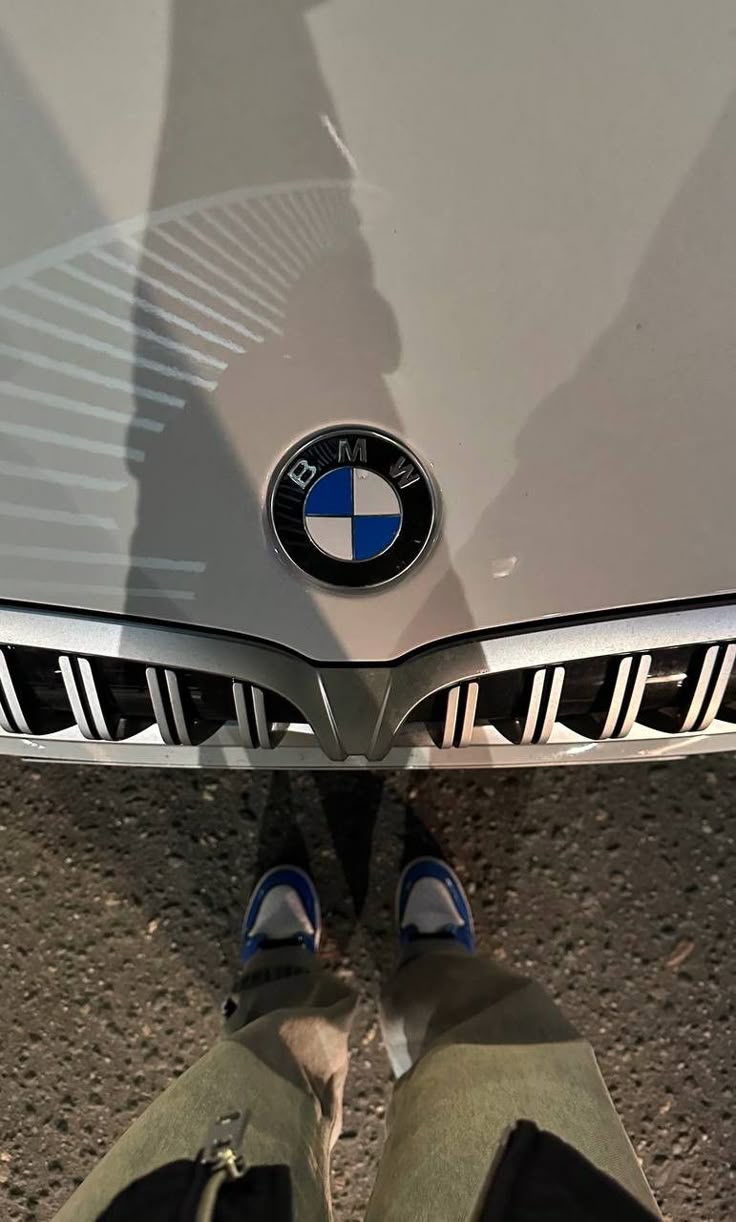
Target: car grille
(675,691)
(111,700)
(78,678)
(113,683)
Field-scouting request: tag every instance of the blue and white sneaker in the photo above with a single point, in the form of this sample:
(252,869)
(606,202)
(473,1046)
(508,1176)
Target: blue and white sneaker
(283,910)
(431,903)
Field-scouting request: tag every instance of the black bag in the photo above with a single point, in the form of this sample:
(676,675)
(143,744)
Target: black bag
(214,1187)
(539,1178)
(174,1193)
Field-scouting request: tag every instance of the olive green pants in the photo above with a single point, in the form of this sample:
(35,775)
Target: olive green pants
(474,1047)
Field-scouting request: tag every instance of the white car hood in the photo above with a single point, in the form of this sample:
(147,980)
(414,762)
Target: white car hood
(502,233)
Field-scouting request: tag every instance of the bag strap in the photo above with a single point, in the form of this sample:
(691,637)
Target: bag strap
(222,1152)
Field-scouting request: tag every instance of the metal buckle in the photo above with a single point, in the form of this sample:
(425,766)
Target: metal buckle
(224,1141)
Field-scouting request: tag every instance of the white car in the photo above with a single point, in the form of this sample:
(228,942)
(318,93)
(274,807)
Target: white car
(367,381)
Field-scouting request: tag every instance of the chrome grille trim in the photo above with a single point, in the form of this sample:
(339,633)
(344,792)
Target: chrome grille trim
(698,697)
(640,669)
(180,722)
(263,730)
(253,723)
(68,674)
(366,712)
(724,669)
(101,728)
(453,704)
(165,726)
(553,704)
(471,704)
(533,709)
(242,714)
(613,716)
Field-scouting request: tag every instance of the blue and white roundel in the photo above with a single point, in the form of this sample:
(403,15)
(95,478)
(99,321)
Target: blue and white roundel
(352,513)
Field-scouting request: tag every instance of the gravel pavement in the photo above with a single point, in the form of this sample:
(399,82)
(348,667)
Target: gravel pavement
(122,894)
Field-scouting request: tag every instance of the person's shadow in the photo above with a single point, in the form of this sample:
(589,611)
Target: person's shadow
(252,298)
(623,479)
(254,258)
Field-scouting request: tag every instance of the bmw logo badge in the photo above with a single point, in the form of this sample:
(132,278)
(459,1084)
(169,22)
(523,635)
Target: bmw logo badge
(352,508)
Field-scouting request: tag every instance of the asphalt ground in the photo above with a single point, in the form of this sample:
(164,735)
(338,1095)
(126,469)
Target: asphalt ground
(122,893)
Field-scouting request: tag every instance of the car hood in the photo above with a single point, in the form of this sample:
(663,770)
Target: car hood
(502,234)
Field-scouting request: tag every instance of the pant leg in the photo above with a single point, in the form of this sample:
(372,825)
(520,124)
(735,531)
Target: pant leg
(476,1048)
(282,1058)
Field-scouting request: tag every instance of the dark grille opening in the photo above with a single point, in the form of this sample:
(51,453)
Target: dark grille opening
(208,704)
(590,683)
(505,700)
(123,694)
(36,677)
(280,714)
(207,701)
(500,698)
(430,716)
(281,711)
(671,686)
(430,712)
(502,702)
(209,697)
(669,677)
(728,707)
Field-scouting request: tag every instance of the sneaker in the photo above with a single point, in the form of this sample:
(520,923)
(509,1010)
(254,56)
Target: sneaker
(431,903)
(283,910)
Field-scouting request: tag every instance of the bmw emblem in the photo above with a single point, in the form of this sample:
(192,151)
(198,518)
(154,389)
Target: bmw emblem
(352,508)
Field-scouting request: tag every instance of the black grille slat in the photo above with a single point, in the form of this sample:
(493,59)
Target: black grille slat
(534,709)
(544,693)
(552,697)
(716,697)
(174,710)
(607,716)
(467,721)
(77,697)
(103,727)
(253,718)
(161,708)
(240,697)
(176,704)
(633,696)
(460,709)
(702,685)
(615,711)
(5,722)
(263,728)
(452,708)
